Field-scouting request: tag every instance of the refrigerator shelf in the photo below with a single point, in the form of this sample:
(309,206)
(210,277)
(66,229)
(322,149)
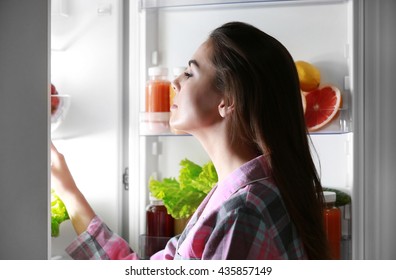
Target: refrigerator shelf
(153,4)
(157,124)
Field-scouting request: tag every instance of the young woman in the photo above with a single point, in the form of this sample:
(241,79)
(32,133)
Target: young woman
(240,98)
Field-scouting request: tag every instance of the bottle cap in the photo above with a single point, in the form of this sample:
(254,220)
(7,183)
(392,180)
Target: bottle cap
(329,196)
(154,200)
(158,71)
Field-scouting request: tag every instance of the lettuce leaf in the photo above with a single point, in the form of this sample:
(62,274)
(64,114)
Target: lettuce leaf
(58,213)
(182,197)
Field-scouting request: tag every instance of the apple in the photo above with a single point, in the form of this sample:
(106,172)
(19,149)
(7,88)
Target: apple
(54,99)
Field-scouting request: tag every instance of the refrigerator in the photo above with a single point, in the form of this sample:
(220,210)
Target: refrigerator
(99,53)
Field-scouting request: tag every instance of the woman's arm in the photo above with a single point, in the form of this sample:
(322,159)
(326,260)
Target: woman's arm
(80,212)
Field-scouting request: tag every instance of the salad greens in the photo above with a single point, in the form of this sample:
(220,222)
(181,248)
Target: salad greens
(58,213)
(182,196)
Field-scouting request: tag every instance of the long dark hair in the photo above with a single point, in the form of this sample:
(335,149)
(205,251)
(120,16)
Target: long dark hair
(258,75)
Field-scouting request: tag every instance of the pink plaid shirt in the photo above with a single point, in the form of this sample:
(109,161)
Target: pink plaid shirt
(243,217)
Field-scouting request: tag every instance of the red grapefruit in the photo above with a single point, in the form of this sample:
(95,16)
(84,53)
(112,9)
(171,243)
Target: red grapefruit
(304,101)
(322,106)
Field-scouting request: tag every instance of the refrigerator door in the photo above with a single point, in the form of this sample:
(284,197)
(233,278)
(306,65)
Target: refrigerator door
(24,126)
(375,133)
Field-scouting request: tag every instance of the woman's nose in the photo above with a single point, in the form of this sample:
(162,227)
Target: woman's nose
(176,84)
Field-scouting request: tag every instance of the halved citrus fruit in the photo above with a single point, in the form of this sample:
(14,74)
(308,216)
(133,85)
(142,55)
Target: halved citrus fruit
(322,106)
(304,101)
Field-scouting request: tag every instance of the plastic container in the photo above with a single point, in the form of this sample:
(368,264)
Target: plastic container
(157,90)
(332,222)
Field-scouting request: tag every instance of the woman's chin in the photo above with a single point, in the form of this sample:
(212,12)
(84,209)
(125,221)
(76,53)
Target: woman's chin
(175,128)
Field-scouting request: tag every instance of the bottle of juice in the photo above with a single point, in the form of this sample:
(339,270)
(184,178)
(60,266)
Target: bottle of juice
(159,227)
(332,222)
(157,90)
(159,222)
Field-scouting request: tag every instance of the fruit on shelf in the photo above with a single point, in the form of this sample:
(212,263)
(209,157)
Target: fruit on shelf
(59,106)
(308,75)
(304,102)
(54,99)
(322,105)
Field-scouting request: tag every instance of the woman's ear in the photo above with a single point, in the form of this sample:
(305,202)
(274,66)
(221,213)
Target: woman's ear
(225,109)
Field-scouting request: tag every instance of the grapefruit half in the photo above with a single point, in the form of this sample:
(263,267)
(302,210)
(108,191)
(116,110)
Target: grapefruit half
(304,101)
(322,105)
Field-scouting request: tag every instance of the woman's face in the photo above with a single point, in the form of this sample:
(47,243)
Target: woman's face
(196,104)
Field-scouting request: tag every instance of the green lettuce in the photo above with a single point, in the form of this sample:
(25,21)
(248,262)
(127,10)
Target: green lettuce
(58,213)
(182,197)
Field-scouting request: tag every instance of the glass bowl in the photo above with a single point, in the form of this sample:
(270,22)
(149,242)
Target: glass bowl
(60,104)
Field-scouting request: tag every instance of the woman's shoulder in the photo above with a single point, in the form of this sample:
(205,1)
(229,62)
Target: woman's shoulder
(260,197)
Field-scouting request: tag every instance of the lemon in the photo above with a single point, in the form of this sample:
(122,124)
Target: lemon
(308,75)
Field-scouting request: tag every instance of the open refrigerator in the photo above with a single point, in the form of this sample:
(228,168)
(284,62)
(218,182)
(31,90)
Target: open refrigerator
(169,32)
(100,55)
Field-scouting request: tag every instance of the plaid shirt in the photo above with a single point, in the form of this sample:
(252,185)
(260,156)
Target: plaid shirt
(243,217)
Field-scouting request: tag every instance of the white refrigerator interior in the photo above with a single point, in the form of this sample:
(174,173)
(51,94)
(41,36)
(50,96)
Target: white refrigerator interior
(86,64)
(168,32)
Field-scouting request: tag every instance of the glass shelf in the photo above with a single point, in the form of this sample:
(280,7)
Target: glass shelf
(152,4)
(157,124)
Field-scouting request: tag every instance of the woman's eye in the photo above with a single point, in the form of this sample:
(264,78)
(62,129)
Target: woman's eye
(188,75)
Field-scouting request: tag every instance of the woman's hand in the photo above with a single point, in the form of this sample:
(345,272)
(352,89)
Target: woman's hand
(61,179)
(78,208)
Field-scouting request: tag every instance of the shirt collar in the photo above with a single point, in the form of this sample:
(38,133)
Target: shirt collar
(251,171)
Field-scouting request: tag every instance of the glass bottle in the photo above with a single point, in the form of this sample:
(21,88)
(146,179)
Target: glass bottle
(159,227)
(332,223)
(159,222)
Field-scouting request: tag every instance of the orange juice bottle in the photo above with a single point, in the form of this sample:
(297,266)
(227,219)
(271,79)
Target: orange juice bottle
(157,90)
(332,222)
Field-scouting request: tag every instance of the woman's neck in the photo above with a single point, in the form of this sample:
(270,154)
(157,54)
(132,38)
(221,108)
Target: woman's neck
(226,156)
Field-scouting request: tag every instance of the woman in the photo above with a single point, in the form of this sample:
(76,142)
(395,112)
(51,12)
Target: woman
(240,98)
